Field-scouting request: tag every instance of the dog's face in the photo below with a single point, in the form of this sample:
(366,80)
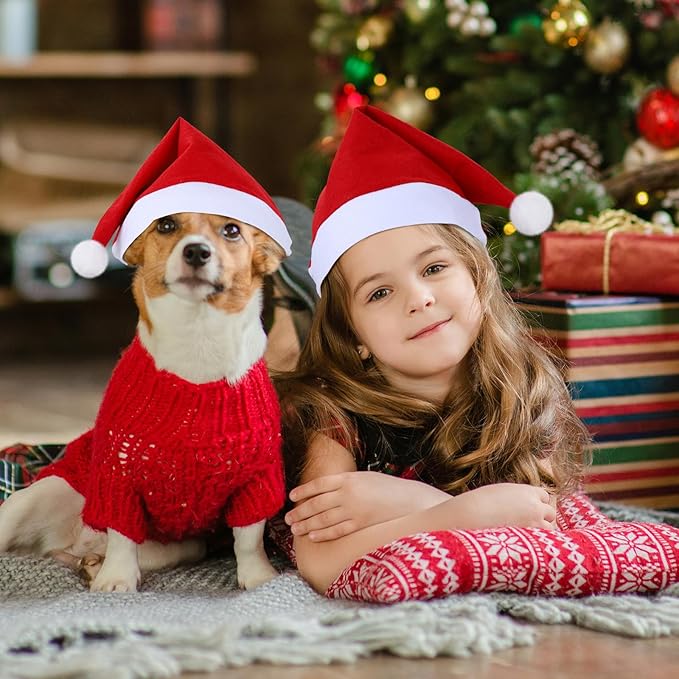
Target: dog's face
(202,258)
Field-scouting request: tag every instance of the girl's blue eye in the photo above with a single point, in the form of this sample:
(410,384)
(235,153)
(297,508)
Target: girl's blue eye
(378,294)
(434,268)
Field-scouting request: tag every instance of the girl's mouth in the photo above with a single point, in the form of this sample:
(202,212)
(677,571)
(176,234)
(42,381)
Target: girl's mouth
(430,329)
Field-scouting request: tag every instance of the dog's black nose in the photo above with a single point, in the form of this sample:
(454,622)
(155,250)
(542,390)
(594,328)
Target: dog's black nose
(196,254)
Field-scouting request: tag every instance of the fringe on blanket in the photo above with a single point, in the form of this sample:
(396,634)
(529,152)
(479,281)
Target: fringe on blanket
(457,627)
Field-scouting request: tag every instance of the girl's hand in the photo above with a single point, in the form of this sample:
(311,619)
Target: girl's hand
(330,507)
(504,504)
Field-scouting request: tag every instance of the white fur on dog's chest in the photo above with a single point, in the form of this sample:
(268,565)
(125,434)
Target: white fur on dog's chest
(200,343)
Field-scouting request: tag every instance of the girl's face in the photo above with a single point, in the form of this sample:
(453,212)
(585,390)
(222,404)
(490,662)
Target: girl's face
(413,305)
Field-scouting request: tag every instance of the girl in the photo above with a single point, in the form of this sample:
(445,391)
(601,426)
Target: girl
(420,401)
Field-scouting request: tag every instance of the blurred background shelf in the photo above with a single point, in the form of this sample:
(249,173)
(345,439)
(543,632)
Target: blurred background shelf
(165,64)
(201,69)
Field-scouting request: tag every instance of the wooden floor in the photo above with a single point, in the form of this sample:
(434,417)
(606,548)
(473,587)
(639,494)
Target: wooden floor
(49,401)
(560,652)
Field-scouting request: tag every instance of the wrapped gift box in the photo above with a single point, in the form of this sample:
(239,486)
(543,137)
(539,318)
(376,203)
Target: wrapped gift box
(579,262)
(622,358)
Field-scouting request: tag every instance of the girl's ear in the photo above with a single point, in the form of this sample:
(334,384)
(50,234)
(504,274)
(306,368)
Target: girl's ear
(363,352)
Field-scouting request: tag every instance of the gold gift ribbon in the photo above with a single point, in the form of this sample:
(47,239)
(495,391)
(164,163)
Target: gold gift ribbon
(612,222)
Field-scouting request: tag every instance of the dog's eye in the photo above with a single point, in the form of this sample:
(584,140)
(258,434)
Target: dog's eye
(231,231)
(165,225)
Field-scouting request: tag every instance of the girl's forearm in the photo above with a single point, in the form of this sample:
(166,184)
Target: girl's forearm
(502,504)
(320,563)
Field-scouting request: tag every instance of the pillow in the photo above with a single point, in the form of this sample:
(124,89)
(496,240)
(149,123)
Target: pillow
(590,554)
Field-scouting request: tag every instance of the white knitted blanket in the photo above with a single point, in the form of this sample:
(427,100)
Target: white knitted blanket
(194,619)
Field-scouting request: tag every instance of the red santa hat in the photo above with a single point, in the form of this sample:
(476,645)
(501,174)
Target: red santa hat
(186,172)
(388,174)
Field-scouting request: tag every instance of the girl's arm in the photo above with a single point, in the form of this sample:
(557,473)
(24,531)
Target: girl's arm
(338,500)
(321,562)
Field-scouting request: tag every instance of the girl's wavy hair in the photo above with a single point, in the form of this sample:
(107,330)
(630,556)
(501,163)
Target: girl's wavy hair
(514,411)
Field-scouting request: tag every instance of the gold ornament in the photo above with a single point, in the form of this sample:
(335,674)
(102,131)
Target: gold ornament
(673,75)
(374,32)
(607,47)
(409,104)
(418,10)
(567,24)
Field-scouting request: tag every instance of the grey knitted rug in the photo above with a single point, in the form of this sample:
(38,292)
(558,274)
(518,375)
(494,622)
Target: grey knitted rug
(194,619)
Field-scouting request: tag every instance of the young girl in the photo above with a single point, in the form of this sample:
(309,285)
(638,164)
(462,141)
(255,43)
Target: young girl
(420,401)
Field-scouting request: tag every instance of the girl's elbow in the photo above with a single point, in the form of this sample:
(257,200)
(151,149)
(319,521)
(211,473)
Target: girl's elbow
(315,566)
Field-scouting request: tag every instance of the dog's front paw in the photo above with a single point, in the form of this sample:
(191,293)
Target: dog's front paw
(113,579)
(255,573)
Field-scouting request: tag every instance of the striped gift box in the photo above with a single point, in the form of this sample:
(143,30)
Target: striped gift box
(622,355)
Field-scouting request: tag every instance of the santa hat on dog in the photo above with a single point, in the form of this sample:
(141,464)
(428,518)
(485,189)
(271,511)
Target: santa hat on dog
(387,174)
(186,172)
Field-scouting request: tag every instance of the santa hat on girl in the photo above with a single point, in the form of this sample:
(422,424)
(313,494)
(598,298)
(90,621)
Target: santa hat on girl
(387,174)
(186,172)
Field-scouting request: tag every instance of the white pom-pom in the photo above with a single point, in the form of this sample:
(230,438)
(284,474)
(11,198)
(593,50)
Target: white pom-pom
(89,259)
(531,213)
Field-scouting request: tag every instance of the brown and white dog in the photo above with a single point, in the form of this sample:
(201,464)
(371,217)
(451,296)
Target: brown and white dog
(198,287)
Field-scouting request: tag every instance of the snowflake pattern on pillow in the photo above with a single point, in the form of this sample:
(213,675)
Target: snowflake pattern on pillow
(589,554)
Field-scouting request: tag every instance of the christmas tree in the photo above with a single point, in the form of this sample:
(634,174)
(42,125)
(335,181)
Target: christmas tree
(577,99)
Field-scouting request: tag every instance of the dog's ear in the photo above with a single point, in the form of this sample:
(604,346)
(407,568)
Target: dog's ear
(267,254)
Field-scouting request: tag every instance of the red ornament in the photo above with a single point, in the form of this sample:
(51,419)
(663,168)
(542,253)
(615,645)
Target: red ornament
(347,98)
(658,118)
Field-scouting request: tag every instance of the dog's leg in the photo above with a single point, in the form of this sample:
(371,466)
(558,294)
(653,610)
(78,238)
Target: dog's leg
(253,567)
(120,570)
(41,518)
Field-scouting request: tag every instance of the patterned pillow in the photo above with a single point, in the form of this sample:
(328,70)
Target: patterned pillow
(590,554)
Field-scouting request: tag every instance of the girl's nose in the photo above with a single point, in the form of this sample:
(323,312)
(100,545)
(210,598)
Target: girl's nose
(421,297)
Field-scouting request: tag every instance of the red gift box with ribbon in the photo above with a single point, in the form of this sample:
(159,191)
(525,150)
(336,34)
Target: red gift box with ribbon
(615,252)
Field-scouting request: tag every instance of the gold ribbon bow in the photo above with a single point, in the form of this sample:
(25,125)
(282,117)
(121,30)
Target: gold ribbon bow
(611,222)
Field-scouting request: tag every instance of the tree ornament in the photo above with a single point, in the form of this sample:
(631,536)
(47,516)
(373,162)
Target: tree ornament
(346,99)
(640,153)
(567,24)
(470,18)
(673,75)
(654,13)
(330,34)
(566,154)
(374,32)
(409,104)
(607,47)
(359,70)
(662,218)
(519,23)
(418,10)
(658,118)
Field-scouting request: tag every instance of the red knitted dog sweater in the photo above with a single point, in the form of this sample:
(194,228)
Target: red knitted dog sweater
(168,459)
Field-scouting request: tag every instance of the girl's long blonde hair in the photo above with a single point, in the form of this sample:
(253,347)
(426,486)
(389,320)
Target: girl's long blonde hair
(513,413)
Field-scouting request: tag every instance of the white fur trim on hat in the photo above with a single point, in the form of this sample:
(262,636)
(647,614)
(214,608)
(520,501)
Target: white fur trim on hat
(199,197)
(89,258)
(396,206)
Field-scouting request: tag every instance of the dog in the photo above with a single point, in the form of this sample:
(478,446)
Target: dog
(198,287)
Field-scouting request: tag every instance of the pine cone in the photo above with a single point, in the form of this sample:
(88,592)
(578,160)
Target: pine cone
(566,152)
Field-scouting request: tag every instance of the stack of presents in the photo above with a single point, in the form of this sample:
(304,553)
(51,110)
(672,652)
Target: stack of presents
(610,308)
